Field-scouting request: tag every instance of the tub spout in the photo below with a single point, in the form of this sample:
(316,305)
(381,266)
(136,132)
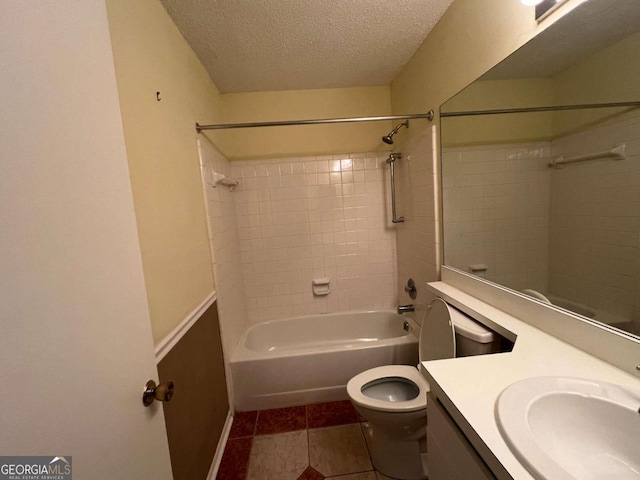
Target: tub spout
(405,309)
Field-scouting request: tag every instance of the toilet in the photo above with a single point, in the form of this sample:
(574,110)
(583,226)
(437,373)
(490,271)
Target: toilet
(393,398)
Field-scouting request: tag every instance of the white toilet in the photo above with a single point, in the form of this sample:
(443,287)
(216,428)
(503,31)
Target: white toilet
(393,398)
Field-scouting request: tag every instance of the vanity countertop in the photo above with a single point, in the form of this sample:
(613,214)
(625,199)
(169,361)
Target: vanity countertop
(469,387)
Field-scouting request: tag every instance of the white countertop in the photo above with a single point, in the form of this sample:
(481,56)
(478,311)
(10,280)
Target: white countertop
(469,387)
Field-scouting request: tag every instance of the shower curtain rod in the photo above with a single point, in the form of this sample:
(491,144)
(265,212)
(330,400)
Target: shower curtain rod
(222,126)
(538,109)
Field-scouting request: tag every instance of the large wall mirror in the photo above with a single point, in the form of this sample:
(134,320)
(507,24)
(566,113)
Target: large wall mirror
(541,167)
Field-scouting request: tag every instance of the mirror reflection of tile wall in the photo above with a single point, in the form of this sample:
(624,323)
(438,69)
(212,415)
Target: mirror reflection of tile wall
(496,211)
(595,223)
(571,233)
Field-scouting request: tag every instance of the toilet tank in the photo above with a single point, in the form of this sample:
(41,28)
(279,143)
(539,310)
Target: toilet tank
(472,338)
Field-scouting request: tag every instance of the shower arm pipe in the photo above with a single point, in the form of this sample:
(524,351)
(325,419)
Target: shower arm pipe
(391,161)
(224,126)
(553,108)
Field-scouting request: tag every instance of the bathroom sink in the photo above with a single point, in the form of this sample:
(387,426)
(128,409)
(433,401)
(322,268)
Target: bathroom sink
(571,428)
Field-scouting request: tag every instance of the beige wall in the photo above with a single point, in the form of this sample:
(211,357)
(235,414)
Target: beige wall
(470,38)
(150,55)
(496,94)
(606,76)
(611,75)
(302,105)
(492,129)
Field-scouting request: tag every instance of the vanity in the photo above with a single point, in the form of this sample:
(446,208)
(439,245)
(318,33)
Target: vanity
(465,391)
(538,157)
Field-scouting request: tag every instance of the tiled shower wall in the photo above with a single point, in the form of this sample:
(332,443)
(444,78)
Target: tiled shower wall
(496,211)
(225,249)
(313,217)
(595,220)
(573,232)
(416,238)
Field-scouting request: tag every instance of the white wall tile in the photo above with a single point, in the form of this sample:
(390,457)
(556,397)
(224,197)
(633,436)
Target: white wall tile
(583,221)
(596,205)
(317,211)
(228,242)
(493,194)
(417,256)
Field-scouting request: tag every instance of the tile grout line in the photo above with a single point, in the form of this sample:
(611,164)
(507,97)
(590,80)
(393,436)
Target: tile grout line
(351,473)
(255,427)
(246,471)
(306,421)
(364,437)
(307,415)
(255,424)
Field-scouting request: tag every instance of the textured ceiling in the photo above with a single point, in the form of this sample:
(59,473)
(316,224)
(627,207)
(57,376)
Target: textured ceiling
(257,45)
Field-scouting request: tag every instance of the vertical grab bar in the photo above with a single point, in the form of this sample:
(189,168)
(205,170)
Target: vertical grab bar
(391,160)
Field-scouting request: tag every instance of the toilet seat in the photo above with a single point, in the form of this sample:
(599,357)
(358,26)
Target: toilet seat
(393,398)
(437,341)
(389,372)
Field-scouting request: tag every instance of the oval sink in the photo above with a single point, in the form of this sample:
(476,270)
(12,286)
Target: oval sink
(571,428)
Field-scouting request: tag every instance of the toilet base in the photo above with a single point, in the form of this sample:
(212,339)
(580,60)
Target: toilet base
(401,459)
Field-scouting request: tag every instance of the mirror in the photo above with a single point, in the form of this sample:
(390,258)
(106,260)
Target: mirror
(545,199)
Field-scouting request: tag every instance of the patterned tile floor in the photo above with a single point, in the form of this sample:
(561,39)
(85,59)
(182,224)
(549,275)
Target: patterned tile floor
(311,442)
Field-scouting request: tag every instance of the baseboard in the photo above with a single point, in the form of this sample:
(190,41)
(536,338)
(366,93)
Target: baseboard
(222,443)
(168,342)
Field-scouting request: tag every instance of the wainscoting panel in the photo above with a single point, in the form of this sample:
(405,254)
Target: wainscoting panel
(196,415)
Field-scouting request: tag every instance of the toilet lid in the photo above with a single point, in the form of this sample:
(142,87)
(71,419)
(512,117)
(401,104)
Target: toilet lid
(437,335)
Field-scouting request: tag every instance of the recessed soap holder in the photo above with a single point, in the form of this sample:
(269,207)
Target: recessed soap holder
(321,286)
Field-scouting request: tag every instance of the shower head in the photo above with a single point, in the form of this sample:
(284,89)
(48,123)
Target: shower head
(389,138)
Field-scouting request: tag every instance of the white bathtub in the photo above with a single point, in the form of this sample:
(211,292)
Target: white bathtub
(310,359)
(602,316)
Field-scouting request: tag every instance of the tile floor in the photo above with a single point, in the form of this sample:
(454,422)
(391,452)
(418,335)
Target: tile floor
(311,442)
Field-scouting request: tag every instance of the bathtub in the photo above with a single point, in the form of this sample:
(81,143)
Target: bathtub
(310,359)
(601,316)
(608,318)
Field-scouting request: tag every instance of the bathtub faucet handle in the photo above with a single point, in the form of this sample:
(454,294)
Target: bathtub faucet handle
(405,309)
(410,288)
